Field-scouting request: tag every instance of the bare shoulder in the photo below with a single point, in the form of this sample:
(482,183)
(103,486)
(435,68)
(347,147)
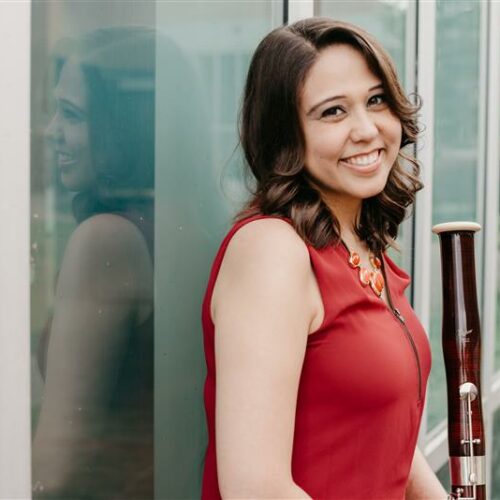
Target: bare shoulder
(263,255)
(264,241)
(107,230)
(105,251)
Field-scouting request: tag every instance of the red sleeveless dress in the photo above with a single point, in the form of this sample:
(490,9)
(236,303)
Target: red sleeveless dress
(361,390)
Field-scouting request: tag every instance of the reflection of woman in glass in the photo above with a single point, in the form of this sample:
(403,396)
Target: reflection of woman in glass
(94,437)
(317,364)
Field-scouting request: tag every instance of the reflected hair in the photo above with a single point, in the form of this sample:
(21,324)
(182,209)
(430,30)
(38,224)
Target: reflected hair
(118,66)
(274,145)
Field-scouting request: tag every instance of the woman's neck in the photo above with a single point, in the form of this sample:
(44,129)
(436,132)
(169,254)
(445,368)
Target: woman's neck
(347,212)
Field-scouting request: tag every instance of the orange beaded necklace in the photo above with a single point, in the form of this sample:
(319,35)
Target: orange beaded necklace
(373,277)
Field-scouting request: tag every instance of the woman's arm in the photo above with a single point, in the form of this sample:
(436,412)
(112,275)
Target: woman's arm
(423,483)
(103,276)
(262,312)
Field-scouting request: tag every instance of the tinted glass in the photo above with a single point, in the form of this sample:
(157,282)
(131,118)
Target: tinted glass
(135,177)
(92,241)
(443,475)
(203,52)
(495,459)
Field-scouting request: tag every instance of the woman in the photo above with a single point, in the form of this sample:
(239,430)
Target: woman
(317,365)
(94,437)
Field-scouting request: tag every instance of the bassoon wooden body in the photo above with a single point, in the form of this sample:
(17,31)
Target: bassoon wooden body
(462,356)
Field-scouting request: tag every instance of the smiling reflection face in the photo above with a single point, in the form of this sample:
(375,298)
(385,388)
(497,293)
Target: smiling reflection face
(68,131)
(352,141)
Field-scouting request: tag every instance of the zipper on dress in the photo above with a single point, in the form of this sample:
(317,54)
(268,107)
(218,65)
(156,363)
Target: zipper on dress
(398,315)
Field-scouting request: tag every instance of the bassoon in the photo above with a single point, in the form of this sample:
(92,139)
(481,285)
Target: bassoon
(461,337)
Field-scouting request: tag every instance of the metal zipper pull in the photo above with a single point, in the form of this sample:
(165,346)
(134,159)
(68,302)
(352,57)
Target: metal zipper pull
(399,315)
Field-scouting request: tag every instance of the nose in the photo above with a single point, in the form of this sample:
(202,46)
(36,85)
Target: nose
(53,131)
(364,128)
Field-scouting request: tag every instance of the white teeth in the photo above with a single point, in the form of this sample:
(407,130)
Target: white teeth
(63,157)
(363,160)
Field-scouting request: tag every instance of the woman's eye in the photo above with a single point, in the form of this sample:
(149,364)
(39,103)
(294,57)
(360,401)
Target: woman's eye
(378,99)
(70,114)
(333,111)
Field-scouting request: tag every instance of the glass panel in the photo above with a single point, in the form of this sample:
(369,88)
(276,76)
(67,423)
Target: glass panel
(456,156)
(495,459)
(92,198)
(443,475)
(384,20)
(105,105)
(203,54)
(387,22)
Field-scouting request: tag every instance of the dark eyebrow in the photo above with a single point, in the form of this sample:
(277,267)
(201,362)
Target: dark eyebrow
(328,99)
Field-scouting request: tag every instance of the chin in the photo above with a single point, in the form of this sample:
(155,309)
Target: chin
(69,184)
(376,187)
(72,184)
(369,191)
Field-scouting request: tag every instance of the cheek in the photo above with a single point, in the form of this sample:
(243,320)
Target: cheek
(398,134)
(77,137)
(394,131)
(326,144)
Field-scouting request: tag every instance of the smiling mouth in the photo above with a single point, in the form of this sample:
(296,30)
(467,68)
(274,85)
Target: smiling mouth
(364,160)
(64,160)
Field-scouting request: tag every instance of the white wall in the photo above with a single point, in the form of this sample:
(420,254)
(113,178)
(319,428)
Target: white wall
(14,241)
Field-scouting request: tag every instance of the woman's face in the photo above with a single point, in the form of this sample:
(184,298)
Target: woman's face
(68,131)
(352,137)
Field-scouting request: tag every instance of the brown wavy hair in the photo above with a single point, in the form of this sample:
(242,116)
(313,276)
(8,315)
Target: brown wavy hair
(274,145)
